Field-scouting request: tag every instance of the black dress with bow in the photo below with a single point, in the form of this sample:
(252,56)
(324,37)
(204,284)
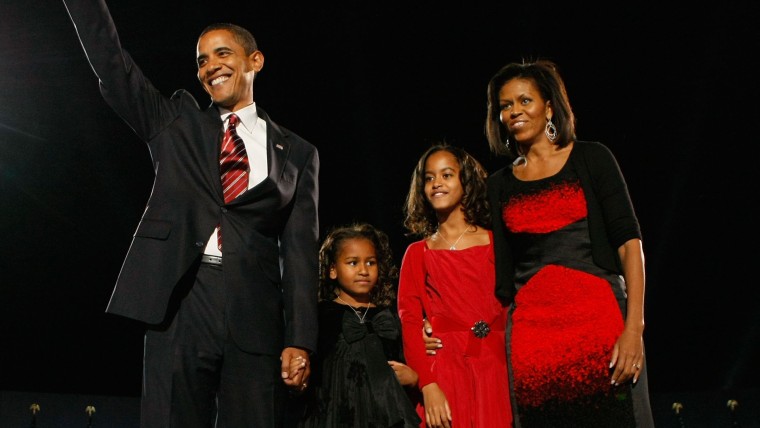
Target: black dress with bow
(352,384)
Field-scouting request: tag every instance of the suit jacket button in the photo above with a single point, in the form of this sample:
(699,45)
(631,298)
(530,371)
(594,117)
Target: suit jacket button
(199,244)
(224,210)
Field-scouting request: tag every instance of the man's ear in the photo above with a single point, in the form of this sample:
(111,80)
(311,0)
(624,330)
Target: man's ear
(256,60)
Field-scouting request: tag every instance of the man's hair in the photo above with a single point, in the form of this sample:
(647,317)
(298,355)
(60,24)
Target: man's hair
(242,36)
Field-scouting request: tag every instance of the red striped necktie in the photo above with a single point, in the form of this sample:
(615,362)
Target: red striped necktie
(233,164)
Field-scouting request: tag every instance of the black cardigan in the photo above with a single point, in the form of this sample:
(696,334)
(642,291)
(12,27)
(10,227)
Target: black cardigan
(611,217)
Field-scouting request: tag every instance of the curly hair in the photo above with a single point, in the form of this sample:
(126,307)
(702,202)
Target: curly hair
(384,293)
(420,217)
(544,73)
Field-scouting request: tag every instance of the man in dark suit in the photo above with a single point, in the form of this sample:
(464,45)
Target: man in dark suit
(229,327)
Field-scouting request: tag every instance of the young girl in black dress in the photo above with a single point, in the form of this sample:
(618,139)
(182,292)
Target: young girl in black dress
(359,377)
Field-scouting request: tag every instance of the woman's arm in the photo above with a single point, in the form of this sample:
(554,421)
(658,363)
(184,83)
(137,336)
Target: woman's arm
(628,353)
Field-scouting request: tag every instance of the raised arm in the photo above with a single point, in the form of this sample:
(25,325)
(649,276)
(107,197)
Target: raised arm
(122,83)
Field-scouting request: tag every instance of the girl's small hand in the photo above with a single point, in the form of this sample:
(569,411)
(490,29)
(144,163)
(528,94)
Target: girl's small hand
(437,411)
(405,375)
(297,367)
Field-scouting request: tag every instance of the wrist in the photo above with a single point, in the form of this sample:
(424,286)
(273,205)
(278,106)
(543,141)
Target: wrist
(634,326)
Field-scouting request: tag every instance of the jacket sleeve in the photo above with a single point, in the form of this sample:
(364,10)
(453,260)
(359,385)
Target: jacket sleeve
(505,285)
(122,84)
(300,258)
(612,194)
(411,308)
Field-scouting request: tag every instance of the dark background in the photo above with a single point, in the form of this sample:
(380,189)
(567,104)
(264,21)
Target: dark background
(671,90)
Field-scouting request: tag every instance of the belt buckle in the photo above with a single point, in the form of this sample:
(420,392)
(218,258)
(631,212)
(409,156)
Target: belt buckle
(480,329)
(212,260)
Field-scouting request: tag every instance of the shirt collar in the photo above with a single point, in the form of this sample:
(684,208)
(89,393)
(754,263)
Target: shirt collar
(247,115)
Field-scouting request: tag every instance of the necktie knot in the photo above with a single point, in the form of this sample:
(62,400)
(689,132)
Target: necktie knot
(233,121)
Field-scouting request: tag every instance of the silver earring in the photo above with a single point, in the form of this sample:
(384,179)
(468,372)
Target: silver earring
(506,142)
(550,130)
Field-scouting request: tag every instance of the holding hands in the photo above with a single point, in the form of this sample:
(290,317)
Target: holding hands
(295,368)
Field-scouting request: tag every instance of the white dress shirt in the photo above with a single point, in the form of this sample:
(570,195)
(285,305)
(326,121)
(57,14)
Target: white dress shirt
(253,130)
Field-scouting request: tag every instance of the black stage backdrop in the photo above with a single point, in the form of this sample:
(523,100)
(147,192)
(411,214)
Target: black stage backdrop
(671,90)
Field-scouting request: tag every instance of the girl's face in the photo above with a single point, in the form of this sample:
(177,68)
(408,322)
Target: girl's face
(523,111)
(443,187)
(355,269)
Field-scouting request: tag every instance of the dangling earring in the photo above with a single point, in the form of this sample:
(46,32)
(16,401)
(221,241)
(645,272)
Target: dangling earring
(550,130)
(506,142)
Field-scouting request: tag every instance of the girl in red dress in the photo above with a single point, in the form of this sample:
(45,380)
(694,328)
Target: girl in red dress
(448,278)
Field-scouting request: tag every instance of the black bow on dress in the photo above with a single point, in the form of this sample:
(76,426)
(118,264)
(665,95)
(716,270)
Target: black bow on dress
(383,324)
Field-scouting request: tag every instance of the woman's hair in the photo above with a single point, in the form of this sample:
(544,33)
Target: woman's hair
(384,292)
(545,75)
(420,217)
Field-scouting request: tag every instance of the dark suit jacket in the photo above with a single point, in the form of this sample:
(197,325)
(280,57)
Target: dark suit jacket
(270,232)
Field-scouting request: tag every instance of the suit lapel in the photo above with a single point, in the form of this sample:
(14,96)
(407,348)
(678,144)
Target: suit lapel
(278,148)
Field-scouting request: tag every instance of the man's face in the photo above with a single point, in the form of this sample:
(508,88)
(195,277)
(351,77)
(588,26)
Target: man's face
(225,71)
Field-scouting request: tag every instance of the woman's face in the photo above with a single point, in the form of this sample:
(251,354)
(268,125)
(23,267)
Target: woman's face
(523,111)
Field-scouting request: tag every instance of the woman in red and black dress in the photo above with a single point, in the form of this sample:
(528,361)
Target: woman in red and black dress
(569,254)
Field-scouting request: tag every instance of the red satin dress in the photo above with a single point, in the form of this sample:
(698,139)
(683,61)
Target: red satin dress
(455,288)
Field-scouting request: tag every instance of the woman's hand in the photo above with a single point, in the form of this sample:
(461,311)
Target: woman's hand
(627,357)
(431,343)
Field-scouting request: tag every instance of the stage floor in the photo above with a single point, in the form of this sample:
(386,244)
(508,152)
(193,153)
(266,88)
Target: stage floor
(702,409)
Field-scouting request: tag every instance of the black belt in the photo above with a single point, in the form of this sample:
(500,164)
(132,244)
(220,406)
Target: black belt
(212,260)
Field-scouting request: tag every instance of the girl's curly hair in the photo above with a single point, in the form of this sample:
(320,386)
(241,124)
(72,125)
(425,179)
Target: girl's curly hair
(420,217)
(384,293)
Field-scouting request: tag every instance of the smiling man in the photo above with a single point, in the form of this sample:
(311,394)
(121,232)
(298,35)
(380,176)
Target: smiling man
(228,60)
(222,268)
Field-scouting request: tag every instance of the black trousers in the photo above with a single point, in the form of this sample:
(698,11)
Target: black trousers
(194,376)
